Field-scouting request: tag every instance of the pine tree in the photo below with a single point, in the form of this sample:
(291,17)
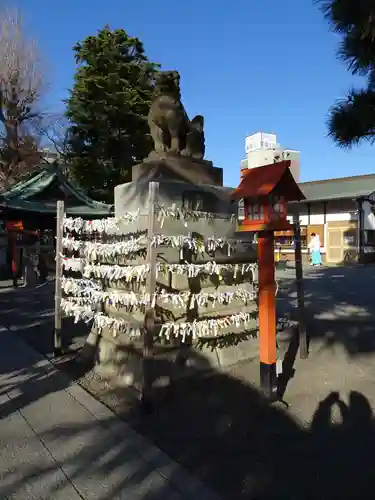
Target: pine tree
(352,119)
(108,109)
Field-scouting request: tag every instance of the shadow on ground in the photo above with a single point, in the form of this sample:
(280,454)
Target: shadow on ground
(223,431)
(29,313)
(340,309)
(220,427)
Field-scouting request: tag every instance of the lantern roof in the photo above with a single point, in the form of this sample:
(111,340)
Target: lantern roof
(275,178)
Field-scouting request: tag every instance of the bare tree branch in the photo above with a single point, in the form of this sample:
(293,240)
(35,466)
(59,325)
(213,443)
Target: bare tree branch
(22,85)
(53,130)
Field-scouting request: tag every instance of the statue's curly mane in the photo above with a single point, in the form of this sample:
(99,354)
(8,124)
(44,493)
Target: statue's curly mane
(168,83)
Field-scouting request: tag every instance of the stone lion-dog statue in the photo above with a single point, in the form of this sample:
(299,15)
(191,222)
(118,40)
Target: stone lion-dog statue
(170,127)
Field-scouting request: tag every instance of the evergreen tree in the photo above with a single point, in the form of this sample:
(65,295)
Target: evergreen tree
(352,119)
(107,109)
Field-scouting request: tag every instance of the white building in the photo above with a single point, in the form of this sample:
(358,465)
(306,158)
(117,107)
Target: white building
(341,212)
(260,140)
(262,149)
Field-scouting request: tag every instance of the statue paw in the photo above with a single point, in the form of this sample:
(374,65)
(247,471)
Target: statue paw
(185,152)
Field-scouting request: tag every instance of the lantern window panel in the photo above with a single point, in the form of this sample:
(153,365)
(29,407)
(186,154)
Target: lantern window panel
(278,206)
(255,210)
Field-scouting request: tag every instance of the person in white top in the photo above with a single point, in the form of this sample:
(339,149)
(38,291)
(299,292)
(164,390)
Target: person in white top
(314,246)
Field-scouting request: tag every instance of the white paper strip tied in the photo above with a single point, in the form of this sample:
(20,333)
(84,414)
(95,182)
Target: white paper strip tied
(83,294)
(139,272)
(72,264)
(86,313)
(79,286)
(113,225)
(210,268)
(195,330)
(89,293)
(211,299)
(93,250)
(196,245)
(78,311)
(183,214)
(105,271)
(117,325)
(204,328)
(109,225)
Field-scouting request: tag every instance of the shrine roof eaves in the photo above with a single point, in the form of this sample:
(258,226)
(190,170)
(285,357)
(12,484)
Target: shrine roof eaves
(19,196)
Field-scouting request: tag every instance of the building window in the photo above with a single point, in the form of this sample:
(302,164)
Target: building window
(285,239)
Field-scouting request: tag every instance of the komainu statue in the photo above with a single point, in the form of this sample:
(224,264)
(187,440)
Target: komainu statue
(170,127)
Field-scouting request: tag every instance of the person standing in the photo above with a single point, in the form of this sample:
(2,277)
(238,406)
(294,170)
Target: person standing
(314,246)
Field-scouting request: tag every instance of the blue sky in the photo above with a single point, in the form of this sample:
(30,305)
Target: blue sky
(247,66)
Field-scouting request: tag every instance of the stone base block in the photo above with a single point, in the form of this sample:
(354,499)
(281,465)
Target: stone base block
(133,196)
(123,365)
(120,363)
(159,167)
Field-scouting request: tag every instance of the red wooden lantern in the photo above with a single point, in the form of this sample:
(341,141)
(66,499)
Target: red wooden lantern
(266,191)
(14,225)
(17,233)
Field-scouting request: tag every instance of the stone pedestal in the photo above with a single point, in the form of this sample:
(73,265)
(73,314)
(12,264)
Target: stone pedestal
(169,167)
(133,196)
(120,358)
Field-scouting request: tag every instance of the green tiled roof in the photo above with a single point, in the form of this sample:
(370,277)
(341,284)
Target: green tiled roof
(20,196)
(335,189)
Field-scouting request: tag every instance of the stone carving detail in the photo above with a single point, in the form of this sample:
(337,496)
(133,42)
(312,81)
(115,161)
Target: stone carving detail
(170,127)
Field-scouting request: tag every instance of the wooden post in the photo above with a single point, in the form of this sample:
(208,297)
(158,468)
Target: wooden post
(13,242)
(267,315)
(360,230)
(25,266)
(57,343)
(149,320)
(303,348)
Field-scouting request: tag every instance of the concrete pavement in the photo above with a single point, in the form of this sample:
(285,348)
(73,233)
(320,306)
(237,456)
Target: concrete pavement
(58,442)
(217,425)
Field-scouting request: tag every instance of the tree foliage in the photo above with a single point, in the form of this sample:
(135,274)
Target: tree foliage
(108,109)
(352,119)
(22,83)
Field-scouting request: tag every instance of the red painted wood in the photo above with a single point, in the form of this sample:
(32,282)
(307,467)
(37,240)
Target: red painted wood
(267,299)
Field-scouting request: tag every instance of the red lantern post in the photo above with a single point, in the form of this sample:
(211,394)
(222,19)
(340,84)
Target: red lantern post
(265,191)
(267,314)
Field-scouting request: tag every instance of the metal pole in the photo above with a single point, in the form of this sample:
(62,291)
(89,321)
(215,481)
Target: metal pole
(57,344)
(149,320)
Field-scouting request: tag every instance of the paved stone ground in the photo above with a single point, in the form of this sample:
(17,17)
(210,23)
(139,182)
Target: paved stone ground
(58,442)
(220,427)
